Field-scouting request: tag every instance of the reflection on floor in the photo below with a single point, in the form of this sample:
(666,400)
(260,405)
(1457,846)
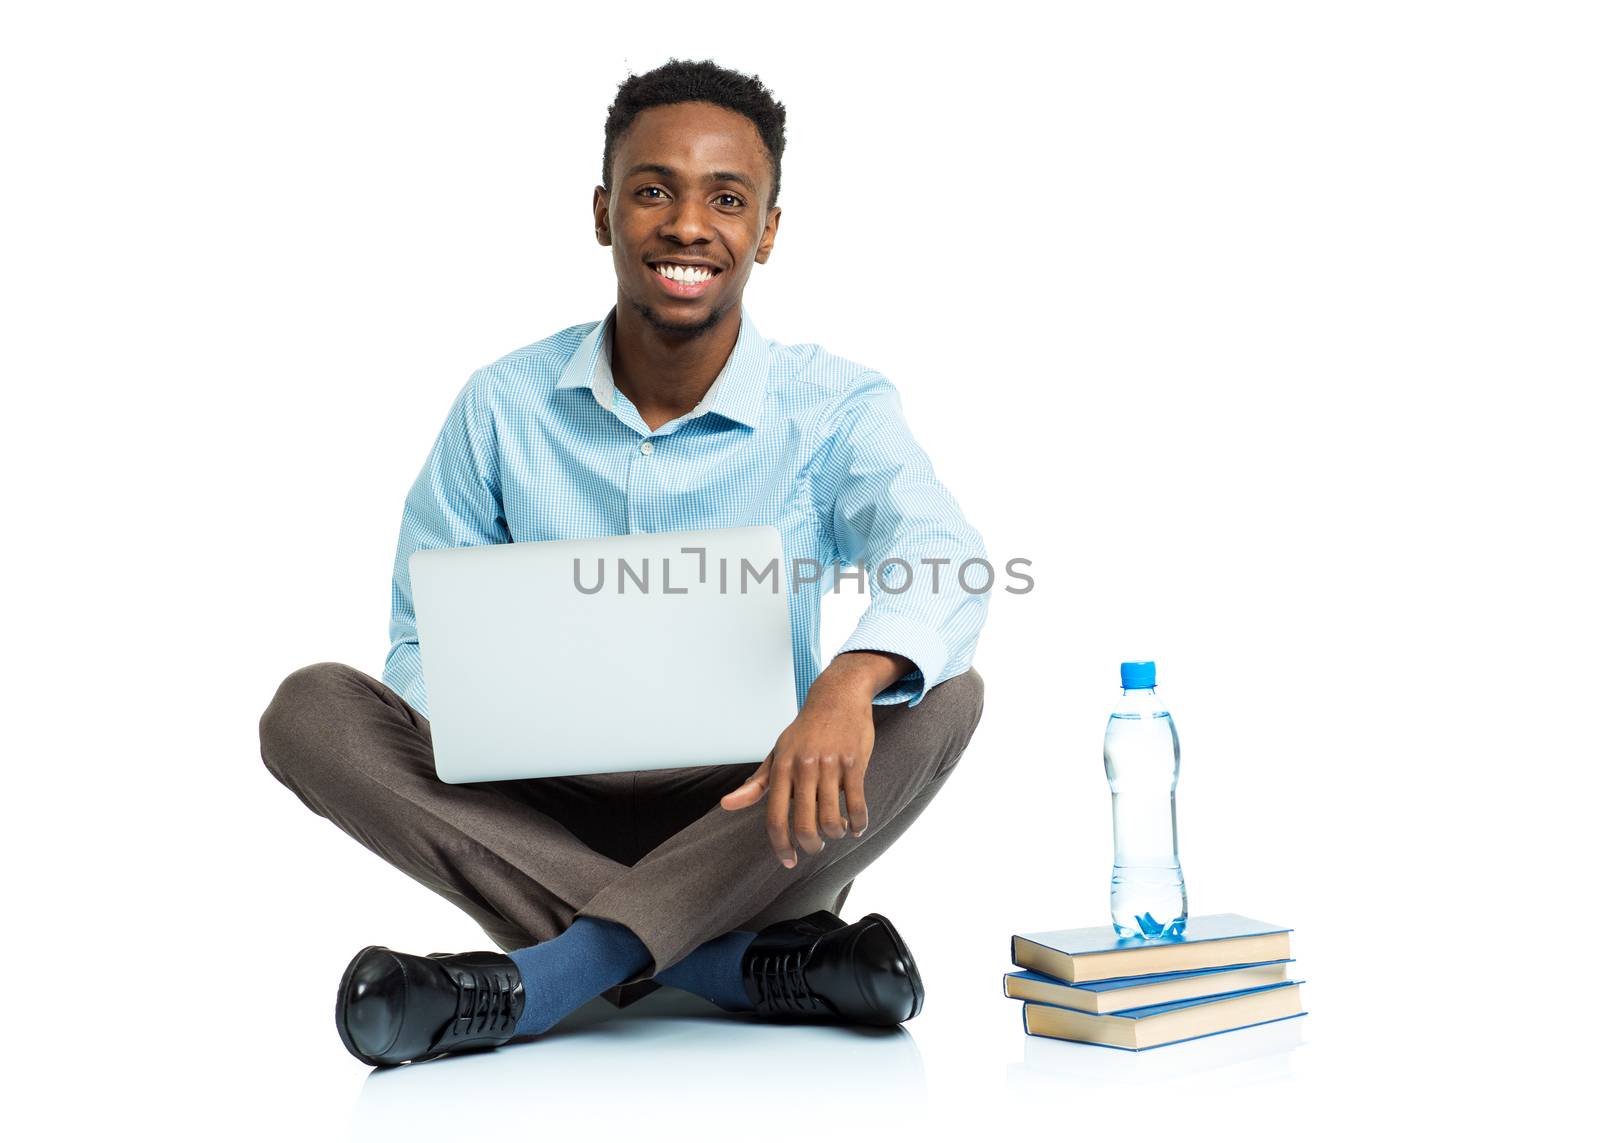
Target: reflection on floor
(670,1051)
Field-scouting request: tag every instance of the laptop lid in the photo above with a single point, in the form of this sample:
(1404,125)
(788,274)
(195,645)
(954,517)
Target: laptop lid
(633,652)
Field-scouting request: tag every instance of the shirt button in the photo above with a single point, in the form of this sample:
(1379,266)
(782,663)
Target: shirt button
(647,448)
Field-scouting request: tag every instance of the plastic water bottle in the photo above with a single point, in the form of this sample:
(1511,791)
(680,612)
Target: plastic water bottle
(1148,898)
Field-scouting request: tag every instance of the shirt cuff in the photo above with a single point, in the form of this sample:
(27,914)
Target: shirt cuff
(897,635)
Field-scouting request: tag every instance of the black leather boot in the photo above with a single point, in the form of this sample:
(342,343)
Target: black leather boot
(817,968)
(396,1006)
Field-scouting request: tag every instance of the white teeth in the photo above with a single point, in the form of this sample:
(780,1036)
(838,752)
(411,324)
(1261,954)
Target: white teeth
(683,273)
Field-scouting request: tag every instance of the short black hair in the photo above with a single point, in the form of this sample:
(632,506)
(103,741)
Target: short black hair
(690,81)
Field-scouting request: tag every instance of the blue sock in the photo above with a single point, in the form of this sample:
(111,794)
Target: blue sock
(566,972)
(712,971)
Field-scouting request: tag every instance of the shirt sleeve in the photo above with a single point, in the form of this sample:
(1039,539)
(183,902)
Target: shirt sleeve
(454,503)
(891,515)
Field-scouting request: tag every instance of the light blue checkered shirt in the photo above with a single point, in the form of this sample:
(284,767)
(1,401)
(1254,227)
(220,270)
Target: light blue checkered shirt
(541,445)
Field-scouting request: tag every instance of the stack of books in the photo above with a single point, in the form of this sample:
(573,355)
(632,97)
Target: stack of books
(1224,973)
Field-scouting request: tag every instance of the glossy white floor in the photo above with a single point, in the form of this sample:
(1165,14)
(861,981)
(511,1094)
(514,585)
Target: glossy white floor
(268,1065)
(671,1054)
(674,1066)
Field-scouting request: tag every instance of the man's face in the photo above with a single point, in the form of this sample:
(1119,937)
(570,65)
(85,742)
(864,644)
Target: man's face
(688,190)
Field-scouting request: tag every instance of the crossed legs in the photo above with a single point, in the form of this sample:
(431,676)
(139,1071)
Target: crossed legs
(649,850)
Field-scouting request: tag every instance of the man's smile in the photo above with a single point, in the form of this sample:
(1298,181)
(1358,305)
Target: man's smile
(684,279)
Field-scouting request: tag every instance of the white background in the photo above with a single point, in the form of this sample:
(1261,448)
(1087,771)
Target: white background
(1267,331)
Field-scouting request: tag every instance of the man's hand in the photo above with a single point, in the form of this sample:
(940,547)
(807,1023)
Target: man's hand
(823,751)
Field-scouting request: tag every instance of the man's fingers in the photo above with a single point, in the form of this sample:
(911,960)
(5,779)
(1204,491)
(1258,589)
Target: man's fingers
(829,822)
(752,789)
(855,792)
(778,810)
(805,803)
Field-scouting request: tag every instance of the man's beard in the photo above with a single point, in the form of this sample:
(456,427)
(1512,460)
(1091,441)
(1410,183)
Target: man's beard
(676,331)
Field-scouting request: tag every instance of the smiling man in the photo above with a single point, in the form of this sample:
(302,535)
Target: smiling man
(672,413)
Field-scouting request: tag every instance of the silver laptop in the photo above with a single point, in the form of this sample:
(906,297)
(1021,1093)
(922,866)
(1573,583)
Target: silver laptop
(635,652)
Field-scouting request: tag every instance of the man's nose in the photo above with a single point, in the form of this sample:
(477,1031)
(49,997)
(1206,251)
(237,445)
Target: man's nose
(687,222)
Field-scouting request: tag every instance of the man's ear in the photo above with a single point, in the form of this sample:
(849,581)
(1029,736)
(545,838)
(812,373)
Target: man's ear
(602,216)
(768,234)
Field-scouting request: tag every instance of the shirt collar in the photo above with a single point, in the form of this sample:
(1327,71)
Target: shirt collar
(738,393)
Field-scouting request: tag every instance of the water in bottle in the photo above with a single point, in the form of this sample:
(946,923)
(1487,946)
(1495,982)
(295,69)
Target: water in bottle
(1148,898)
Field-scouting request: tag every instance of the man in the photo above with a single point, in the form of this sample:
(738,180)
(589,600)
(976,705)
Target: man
(673,413)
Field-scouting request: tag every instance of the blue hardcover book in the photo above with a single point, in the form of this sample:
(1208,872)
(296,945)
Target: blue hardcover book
(1079,956)
(1125,992)
(1162,1024)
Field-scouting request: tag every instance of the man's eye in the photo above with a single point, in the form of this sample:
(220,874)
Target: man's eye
(647,190)
(737,201)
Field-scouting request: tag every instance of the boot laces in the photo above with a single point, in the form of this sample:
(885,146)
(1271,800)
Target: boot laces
(483,1003)
(780,981)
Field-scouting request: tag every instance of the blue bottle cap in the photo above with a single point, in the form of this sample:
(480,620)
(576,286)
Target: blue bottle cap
(1136,676)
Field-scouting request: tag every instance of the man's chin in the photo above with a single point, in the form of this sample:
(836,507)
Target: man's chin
(680,329)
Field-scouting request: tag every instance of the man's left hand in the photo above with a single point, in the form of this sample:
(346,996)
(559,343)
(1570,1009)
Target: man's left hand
(824,751)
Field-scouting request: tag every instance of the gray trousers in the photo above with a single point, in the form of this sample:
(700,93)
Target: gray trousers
(651,849)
